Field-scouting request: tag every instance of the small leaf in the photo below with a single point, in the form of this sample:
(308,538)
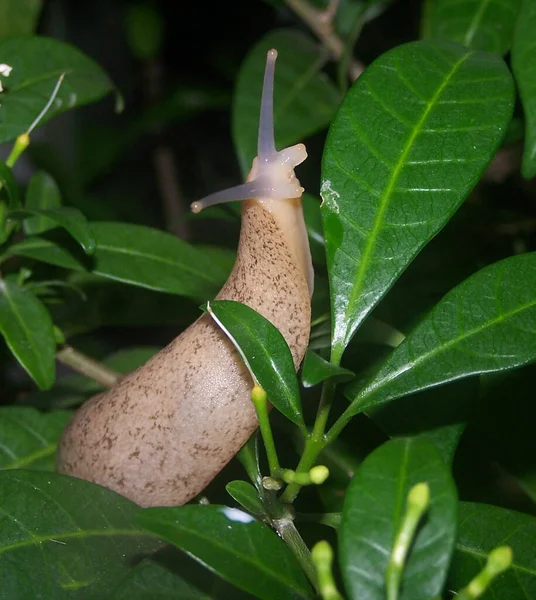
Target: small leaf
(29,438)
(19,17)
(155,259)
(65,538)
(481,529)
(478,24)
(248,457)
(374,505)
(247,496)
(71,219)
(9,183)
(304,99)
(316,369)
(234,545)
(524,67)
(42,193)
(37,64)
(137,255)
(485,324)
(408,144)
(28,331)
(48,251)
(267,354)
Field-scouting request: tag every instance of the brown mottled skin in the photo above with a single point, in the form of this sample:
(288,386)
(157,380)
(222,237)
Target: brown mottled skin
(163,432)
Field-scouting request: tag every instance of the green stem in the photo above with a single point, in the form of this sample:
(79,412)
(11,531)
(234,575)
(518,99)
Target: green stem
(287,530)
(316,442)
(322,555)
(260,401)
(87,366)
(417,504)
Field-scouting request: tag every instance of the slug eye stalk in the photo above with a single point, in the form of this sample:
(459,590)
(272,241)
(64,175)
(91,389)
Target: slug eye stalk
(272,176)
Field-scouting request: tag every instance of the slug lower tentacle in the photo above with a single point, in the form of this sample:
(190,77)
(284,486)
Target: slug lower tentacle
(163,432)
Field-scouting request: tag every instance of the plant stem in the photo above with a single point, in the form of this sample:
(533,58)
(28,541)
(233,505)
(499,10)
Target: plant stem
(260,401)
(315,443)
(323,28)
(287,530)
(87,366)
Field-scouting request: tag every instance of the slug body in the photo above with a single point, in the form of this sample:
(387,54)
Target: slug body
(163,432)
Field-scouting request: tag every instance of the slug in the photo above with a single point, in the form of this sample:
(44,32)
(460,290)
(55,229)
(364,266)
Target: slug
(163,432)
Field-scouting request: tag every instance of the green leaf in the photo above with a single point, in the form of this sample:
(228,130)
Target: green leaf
(248,457)
(485,324)
(156,260)
(232,544)
(481,529)
(71,219)
(52,251)
(28,331)
(247,496)
(28,437)
(374,506)
(37,65)
(524,67)
(19,17)
(479,24)
(42,193)
(64,538)
(151,580)
(9,183)
(408,144)
(316,369)
(304,99)
(265,352)
(137,255)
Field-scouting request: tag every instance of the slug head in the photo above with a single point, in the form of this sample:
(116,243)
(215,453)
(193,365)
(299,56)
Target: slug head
(272,175)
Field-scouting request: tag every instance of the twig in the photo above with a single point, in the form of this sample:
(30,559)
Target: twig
(87,366)
(321,22)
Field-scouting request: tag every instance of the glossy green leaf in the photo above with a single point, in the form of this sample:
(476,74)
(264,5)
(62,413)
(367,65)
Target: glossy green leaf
(138,255)
(28,437)
(304,99)
(42,193)
(37,65)
(9,184)
(232,544)
(19,17)
(524,66)
(246,495)
(481,529)
(485,324)
(265,351)
(71,219)
(478,24)
(316,369)
(28,331)
(408,144)
(64,538)
(156,260)
(374,505)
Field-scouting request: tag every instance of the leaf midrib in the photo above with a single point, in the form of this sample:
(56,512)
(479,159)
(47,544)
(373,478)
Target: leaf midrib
(386,195)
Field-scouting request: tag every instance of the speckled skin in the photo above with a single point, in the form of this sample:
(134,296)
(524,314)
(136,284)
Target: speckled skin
(163,432)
